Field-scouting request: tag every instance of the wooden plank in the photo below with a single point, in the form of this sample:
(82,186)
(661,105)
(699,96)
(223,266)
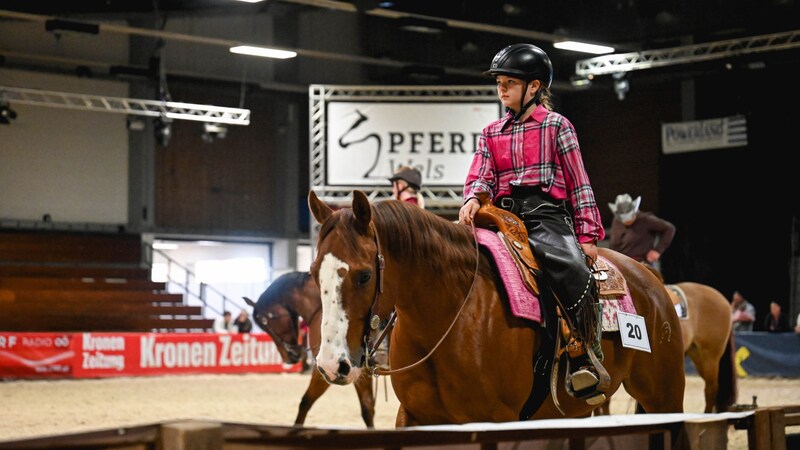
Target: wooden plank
(78,324)
(51,295)
(131,438)
(58,310)
(77,283)
(778,428)
(702,434)
(74,270)
(63,247)
(191,436)
(759,435)
(791,415)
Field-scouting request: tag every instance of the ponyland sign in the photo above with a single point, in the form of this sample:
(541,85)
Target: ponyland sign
(367,141)
(681,137)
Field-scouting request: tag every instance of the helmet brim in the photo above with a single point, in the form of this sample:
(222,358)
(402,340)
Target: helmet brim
(509,73)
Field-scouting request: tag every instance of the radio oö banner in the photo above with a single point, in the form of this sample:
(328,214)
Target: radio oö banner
(367,141)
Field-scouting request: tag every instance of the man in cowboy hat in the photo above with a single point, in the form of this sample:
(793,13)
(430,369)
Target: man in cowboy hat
(638,234)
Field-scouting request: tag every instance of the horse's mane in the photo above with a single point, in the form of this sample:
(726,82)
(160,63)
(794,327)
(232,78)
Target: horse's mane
(278,288)
(420,237)
(413,235)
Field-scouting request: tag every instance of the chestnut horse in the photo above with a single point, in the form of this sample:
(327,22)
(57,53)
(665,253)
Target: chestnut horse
(708,341)
(458,354)
(278,311)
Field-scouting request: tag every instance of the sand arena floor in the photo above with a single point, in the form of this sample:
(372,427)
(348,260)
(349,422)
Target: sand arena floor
(38,408)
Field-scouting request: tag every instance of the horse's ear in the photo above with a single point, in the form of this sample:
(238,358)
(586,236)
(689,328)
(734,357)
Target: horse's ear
(319,210)
(362,210)
(249,302)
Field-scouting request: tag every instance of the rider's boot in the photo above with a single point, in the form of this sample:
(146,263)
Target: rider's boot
(585,380)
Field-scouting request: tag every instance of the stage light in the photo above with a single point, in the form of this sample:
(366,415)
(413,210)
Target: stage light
(7,114)
(162,129)
(213,131)
(621,85)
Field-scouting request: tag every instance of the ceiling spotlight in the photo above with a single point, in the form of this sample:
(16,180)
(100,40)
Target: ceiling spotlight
(621,85)
(7,114)
(135,123)
(213,131)
(419,25)
(580,82)
(162,129)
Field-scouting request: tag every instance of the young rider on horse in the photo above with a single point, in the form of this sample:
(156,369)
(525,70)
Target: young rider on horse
(529,162)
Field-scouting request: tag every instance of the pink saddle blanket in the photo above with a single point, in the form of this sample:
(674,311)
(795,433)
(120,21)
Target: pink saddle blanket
(523,303)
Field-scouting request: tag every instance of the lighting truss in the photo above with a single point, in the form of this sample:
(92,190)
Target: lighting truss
(132,106)
(627,62)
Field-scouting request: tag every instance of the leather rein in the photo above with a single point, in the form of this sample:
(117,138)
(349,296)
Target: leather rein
(288,346)
(374,318)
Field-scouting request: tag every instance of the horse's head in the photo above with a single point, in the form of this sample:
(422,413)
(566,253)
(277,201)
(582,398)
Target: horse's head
(282,324)
(347,269)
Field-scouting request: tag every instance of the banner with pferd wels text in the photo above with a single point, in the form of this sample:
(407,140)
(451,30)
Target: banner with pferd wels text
(90,355)
(367,141)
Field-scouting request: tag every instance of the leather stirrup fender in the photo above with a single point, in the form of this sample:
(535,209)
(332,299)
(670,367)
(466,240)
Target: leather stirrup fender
(513,234)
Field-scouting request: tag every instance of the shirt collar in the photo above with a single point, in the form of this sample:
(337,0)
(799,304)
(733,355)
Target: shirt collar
(539,113)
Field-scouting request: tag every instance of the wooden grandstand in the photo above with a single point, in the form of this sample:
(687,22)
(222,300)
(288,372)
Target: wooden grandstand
(66,281)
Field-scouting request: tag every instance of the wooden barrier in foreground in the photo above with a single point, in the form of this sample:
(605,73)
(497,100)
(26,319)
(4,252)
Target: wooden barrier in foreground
(765,427)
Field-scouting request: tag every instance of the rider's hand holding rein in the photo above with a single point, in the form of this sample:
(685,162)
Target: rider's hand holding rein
(590,250)
(468,211)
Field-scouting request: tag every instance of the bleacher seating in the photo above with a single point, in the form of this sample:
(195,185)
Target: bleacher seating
(85,281)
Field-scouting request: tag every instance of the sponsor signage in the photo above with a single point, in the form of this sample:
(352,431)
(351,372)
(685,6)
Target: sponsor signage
(26,355)
(367,141)
(726,132)
(89,355)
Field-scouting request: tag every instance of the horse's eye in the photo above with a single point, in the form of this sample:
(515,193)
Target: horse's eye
(363,277)
(263,320)
(270,315)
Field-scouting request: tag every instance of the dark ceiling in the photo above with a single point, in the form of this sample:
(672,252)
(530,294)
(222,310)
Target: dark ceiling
(471,31)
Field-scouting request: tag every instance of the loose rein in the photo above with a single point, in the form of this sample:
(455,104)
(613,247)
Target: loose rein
(376,371)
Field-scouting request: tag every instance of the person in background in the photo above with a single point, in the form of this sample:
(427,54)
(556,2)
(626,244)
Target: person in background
(640,235)
(776,321)
(406,183)
(529,162)
(797,325)
(224,323)
(243,323)
(743,313)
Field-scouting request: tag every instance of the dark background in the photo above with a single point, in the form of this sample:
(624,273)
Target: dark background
(735,209)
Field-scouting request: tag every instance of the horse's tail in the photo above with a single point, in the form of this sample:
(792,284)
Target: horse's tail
(726,377)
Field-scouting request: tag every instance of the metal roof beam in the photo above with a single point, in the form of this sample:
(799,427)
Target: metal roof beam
(627,62)
(132,106)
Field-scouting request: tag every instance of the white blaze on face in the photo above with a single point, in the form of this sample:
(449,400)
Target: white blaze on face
(334,322)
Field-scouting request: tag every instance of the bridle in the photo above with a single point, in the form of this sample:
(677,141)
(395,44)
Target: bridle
(373,320)
(296,348)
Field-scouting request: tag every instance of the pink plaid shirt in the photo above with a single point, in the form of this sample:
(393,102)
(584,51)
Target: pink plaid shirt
(506,157)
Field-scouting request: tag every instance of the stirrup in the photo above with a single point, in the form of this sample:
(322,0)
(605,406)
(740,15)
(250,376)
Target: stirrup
(589,382)
(583,379)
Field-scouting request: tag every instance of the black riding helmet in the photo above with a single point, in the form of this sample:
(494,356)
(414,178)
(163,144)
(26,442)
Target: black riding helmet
(527,62)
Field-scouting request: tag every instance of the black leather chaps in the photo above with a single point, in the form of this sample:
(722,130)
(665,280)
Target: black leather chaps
(556,248)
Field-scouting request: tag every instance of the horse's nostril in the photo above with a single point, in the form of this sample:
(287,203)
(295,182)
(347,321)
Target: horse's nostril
(344,367)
